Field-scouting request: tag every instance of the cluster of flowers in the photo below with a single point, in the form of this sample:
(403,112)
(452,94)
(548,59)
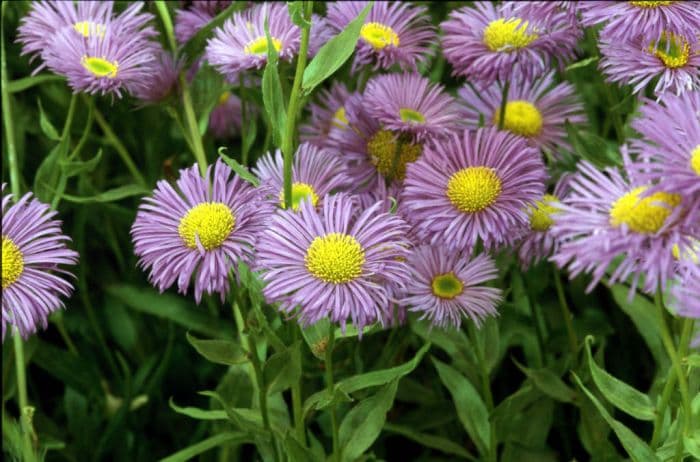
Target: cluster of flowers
(400,191)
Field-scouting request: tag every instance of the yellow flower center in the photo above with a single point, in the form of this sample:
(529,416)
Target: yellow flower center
(210,222)
(522,118)
(390,155)
(340,120)
(541,213)
(100,67)
(645,215)
(507,35)
(672,50)
(411,115)
(695,160)
(224,97)
(379,35)
(336,258)
(259,46)
(473,189)
(300,191)
(650,4)
(447,286)
(689,252)
(88,28)
(12,262)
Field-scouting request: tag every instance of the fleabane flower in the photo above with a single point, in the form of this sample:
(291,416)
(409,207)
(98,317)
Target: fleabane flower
(628,20)
(334,263)
(536,110)
(394,33)
(672,60)
(34,252)
(200,230)
(490,42)
(226,118)
(409,103)
(548,10)
(471,186)
(606,217)
(162,81)
(446,286)
(190,21)
(686,293)
(315,173)
(327,113)
(241,44)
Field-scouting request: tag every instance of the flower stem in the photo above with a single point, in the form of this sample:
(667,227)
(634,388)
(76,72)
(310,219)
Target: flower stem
(24,409)
(504,101)
(566,313)
(65,141)
(329,385)
(296,400)
(294,107)
(486,390)
(7,118)
(121,150)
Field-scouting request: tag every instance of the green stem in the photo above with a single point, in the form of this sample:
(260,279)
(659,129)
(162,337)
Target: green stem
(24,409)
(504,101)
(538,320)
(7,117)
(164,14)
(667,340)
(294,107)
(486,390)
(119,147)
(296,399)
(329,385)
(65,140)
(566,313)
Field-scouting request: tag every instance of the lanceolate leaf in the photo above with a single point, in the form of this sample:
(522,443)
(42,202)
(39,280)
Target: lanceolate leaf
(225,352)
(273,98)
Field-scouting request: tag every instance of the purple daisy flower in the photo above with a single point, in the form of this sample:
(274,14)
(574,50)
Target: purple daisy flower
(605,216)
(240,44)
(674,60)
(203,230)
(334,264)
(548,10)
(327,113)
(446,286)
(491,42)
(226,119)
(33,247)
(190,21)
(470,186)
(315,173)
(686,293)
(163,80)
(628,20)
(393,33)
(536,110)
(409,103)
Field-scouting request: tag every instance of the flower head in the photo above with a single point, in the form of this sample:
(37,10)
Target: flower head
(190,21)
(535,109)
(686,292)
(409,103)
(315,173)
(162,81)
(446,286)
(327,114)
(202,229)
(33,247)
(334,263)
(470,186)
(393,33)
(226,118)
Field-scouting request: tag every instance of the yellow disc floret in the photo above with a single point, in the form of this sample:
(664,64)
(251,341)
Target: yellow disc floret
(209,222)
(300,191)
(473,189)
(689,253)
(643,215)
(695,160)
(541,213)
(447,286)
(672,50)
(100,67)
(507,35)
(336,258)
(340,120)
(12,262)
(88,28)
(651,4)
(411,115)
(390,155)
(522,118)
(259,46)
(379,35)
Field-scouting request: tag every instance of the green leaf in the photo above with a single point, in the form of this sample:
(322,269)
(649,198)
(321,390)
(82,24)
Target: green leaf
(549,383)
(68,368)
(316,337)
(363,424)
(169,307)
(226,352)
(635,447)
(194,46)
(46,125)
(430,441)
(18,85)
(210,443)
(297,452)
(241,170)
(334,53)
(471,410)
(282,369)
(273,98)
(692,444)
(76,167)
(197,413)
(110,195)
(45,178)
(296,12)
(582,63)
(621,395)
(693,360)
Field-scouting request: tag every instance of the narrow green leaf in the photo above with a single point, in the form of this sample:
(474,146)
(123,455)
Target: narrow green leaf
(471,410)
(621,395)
(692,444)
(334,53)
(210,443)
(430,441)
(226,352)
(194,46)
(25,83)
(296,12)
(363,424)
(297,452)
(273,98)
(582,63)
(549,383)
(111,195)
(46,126)
(241,170)
(45,178)
(635,447)
(76,167)
(197,413)
(693,360)
(282,369)
(68,368)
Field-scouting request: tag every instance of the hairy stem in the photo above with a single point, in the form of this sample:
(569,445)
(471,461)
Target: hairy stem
(504,101)
(24,410)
